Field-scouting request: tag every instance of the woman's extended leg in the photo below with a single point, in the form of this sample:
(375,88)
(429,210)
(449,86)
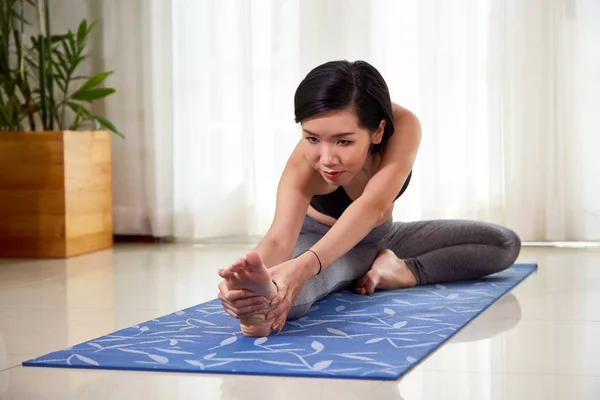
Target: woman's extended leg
(342,273)
(449,250)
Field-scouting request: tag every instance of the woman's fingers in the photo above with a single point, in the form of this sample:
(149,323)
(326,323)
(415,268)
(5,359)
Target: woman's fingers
(281,309)
(239,304)
(239,312)
(249,302)
(280,322)
(229,311)
(279,315)
(234,294)
(281,293)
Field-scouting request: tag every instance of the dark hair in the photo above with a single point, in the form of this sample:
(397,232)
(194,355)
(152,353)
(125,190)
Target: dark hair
(345,85)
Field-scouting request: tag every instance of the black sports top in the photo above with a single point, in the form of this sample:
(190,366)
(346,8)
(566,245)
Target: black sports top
(336,202)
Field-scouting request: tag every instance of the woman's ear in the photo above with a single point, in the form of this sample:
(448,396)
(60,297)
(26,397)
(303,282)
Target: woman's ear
(378,135)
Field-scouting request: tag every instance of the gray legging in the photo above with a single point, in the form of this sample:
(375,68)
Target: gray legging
(435,251)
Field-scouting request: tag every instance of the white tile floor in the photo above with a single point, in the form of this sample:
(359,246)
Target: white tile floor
(542,341)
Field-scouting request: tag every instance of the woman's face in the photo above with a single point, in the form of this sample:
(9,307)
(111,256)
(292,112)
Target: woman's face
(336,146)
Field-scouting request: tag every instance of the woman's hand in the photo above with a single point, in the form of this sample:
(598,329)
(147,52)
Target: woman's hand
(241,303)
(290,278)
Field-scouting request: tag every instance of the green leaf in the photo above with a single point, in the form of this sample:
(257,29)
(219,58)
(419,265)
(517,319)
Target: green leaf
(92,94)
(32,64)
(17,16)
(80,111)
(59,75)
(60,83)
(91,26)
(109,125)
(61,63)
(82,31)
(77,107)
(66,50)
(78,117)
(95,81)
(97,120)
(57,38)
(72,44)
(10,111)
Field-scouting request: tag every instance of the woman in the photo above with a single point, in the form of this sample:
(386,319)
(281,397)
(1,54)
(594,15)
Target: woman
(332,228)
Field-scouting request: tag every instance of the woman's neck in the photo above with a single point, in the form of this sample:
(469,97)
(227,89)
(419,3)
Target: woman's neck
(367,171)
(371,164)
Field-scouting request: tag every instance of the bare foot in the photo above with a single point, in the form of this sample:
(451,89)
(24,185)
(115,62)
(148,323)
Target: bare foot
(251,274)
(388,272)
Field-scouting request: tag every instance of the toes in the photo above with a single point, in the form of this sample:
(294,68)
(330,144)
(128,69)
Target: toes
(254,260)
(226,274)
(370,287)
(366,285)
(238,266)
(361,282)
(360,289)
(241,262)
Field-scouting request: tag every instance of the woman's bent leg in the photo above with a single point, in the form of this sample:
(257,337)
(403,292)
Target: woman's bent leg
(451,250)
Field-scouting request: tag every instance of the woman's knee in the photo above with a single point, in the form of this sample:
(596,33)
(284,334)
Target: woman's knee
(511,246)
(298,311)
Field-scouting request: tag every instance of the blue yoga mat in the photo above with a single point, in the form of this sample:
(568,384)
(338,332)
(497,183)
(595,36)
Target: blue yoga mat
(381,336)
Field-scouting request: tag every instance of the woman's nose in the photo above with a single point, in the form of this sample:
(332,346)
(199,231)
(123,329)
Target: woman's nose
(328,157)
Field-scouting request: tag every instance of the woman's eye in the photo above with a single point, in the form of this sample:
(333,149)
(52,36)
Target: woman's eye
(344,142)
(312,140)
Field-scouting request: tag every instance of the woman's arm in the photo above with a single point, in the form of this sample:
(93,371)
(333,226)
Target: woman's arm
(294,192)
(366,212)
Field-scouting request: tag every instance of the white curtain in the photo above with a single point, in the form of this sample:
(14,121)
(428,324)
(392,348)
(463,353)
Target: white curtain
(507,92)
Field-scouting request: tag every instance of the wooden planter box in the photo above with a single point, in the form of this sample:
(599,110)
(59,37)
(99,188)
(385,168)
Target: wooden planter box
(55,193)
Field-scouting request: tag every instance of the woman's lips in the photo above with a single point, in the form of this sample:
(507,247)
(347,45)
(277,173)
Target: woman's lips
(332,175)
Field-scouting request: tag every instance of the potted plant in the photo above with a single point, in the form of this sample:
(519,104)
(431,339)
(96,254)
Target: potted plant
(55,154)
